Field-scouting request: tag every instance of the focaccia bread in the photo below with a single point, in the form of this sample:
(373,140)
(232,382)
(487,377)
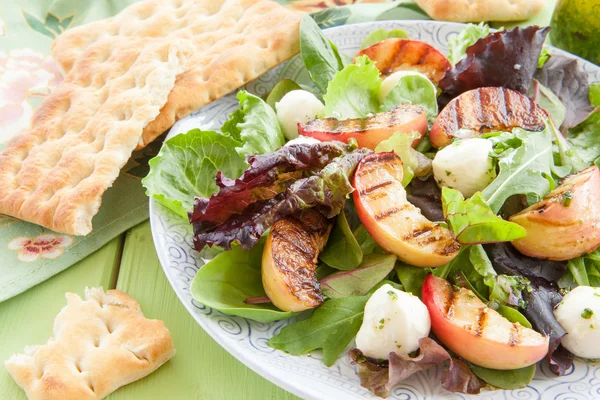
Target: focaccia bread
(235,42)
(99,344)
(84,132)
(481,10)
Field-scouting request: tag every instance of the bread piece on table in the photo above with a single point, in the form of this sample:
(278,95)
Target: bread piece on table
(99,344)
(481,10)
(84,132)
(235,42)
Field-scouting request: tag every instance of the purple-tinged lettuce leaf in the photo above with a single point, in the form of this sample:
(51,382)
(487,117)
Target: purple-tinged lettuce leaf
(427,195)
(569,83)
(268,175)
(506,59)
(326,192)
(381,376)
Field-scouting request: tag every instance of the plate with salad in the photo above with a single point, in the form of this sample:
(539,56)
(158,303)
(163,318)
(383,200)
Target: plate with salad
(406,209)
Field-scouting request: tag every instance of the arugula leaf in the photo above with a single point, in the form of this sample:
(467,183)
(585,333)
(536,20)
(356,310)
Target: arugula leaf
(566,157)
(548,101)
(457,45)
(354,91)
(401,144)
(473,222)
(359,281)
(281,89)
(331,327)
(505,379)
(413,88)
(320,56)
(525,167)
(585,138)
(342,250)
(381,34)
(225,282)
(594,94)
(260,131)
(185,165)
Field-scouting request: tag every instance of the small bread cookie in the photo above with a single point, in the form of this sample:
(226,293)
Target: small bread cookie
(99,344)
(481,10)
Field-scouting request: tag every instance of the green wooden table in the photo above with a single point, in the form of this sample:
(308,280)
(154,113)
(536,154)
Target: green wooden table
(201,369)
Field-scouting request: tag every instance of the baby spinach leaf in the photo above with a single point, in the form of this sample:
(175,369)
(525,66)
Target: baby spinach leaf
(505,379)
(413,88)
(473,222)
(354,91)
(366,242)
(186,165)
(457,45)
(280,90)
(342,250)
(232,277)
(359,281)
(331,327)
(411,277)
(320,56)
(524,168)
(381,34)
(513,315)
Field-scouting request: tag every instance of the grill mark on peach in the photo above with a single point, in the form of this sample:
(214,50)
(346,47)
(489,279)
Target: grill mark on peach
(378,186)
(481,321)
(514,337)
(451,297)
(479,102)
(387,213)
(446,249)
(277,235)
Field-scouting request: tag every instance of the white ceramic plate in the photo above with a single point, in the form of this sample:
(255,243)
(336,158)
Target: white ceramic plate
(306,376)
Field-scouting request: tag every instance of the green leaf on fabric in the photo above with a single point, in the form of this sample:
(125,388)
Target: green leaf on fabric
(525,166)
(225,282)
(320,56)
(281,89)
(413,88)
(331,328)
(381,34)
(52,26)
(594,94)
(585,138)
(359,281)
(457,45)
(401,144)
(472,221)
(186,166)
(342,250)
(354,91)
(411,277)
(505,379)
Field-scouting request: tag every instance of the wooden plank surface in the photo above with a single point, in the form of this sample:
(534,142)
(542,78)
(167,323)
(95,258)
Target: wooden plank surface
(27,318)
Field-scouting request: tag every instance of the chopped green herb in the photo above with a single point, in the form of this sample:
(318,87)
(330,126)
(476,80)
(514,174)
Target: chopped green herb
(592,326)
(587,314)
(398,346)
(392,294)
(448,173)
(567,197)
(382,321)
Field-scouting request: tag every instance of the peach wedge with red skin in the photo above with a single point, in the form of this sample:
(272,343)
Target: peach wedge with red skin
(289,261)
(484,110)
(391,55)
(475,332)
(566,224)
(370,131)
(397,225)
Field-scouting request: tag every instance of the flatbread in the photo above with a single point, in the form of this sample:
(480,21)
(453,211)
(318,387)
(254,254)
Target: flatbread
(235,42)
(84,132)
(99,344)
(481,10)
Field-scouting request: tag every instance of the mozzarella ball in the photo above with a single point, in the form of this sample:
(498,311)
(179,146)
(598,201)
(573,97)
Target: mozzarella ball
(297,106)
(579,315)
(391,81)
(465,165)
(303,140)
(394,321)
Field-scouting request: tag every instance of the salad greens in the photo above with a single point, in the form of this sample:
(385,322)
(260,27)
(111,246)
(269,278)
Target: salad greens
(413,88)
(343,250)
(401,144)
(381,34)
(585,138)
(595,94)
(457,45)
(280,90)
(510,379)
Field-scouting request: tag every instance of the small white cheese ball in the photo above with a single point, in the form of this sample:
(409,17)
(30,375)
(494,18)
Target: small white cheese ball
(297,106)
(465,165)
(303,140)
(391,81)
(579,314)
(394,321)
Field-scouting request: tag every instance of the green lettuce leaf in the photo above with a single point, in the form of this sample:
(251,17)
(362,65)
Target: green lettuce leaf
(331,327)
(585,138)
(544,56)
(342,250)
(354,91)
(186,165)
(259,131)
(225,282)
(401,144)
(525,167)
(413,88)
(472,221)
(595,94)
(381,34)
(457,45)
(359,281)
(320,56)
(281,89)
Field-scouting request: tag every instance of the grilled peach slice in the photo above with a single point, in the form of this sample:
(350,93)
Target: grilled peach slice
(486,109)
(289,261)
(391,55)
(566,224)
(477,333)
(369,132)
(397,225)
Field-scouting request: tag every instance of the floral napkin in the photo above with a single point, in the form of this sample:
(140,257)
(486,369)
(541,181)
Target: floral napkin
(31,254)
